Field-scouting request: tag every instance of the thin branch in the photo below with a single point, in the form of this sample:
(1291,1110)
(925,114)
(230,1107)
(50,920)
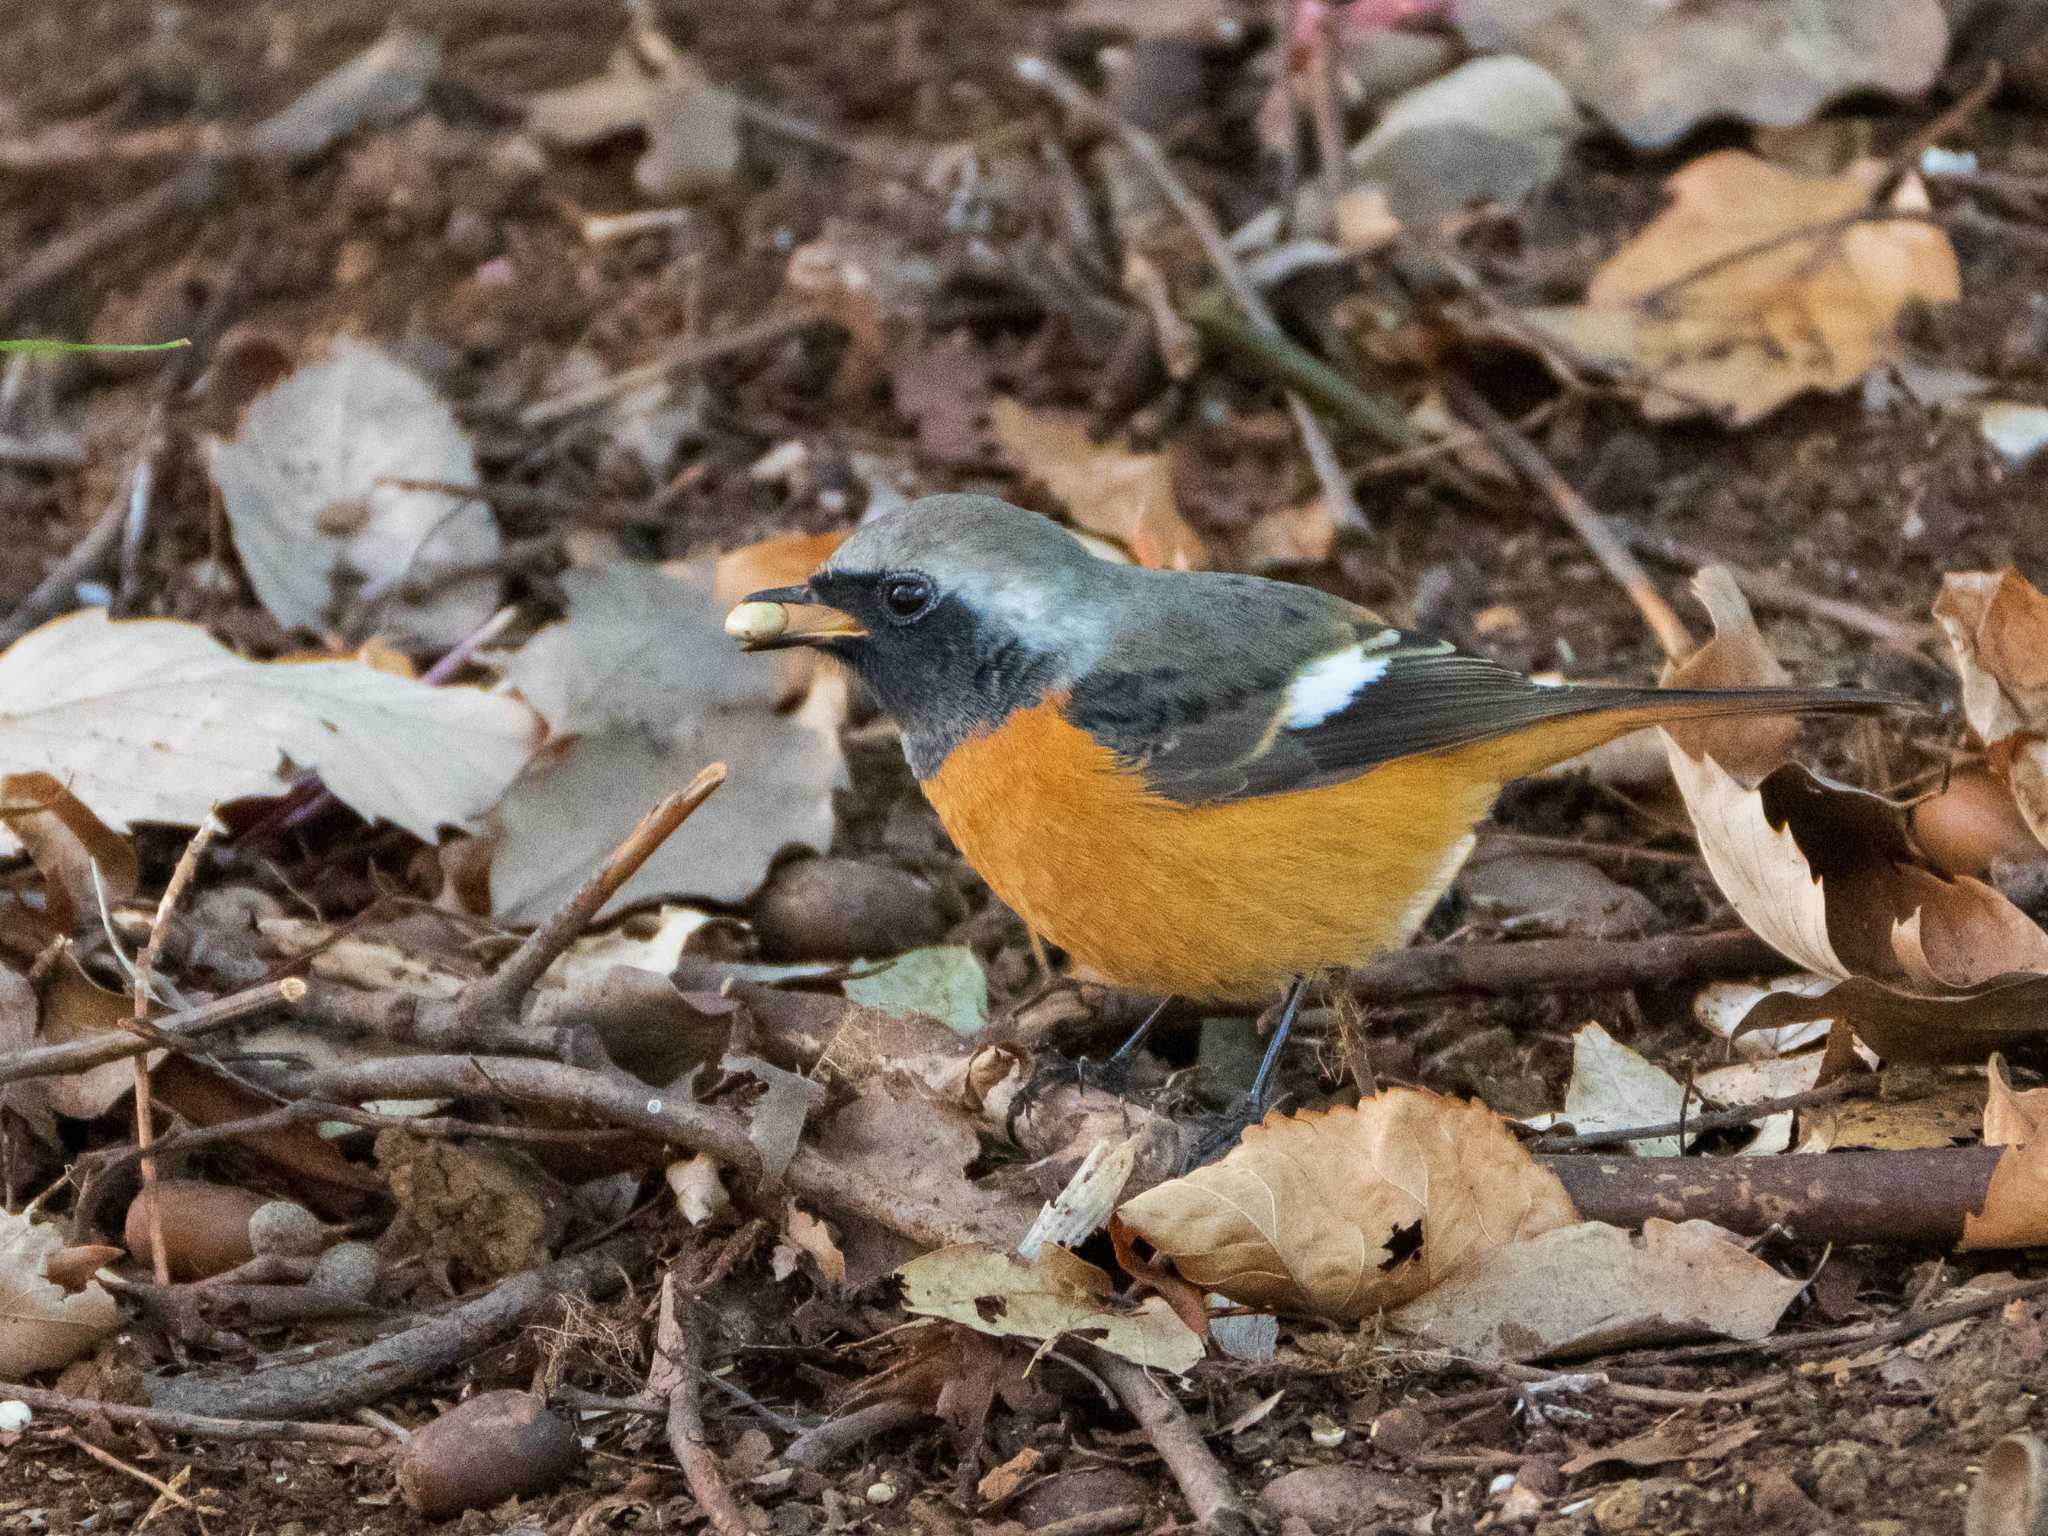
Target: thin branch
(1590,526)
(357,1377)
(1211,1496)
(204,1426)
(692,355)
(178,1030)
(499,995)
(1713,1120)
(686,1438)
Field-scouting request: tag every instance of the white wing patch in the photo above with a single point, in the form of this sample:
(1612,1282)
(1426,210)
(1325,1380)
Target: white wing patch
(1327,685)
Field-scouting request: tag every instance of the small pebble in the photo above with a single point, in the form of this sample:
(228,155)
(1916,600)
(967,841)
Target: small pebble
(15,1416)
(1325,1431)
(881,1493)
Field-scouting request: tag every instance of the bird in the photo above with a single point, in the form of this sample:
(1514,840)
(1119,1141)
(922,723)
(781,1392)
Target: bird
(1199,784)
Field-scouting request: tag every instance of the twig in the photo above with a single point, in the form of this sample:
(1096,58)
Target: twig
(1211,1495)
(692,355)
(1591,528)
(1300,370)
(145,969)
(498,996)
(178,1030)
(1906,1198)
(818,1447)
(107,1458)
(1771,590)
(186,192)
(622,1100)
(1713,1120)
(684,1347)
(1560,965)
(357,1377)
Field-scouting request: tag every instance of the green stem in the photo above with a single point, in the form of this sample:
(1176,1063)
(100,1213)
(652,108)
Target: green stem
(1227,326)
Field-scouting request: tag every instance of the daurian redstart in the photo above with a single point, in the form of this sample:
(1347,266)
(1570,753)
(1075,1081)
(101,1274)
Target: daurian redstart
(1196,783)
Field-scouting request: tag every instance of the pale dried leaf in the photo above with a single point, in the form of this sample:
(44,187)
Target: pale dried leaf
(2011,1494)
(641,689)
(42,1326)
(375,964)
(150,720)
(1758,867)
(692,125)
(1656,70)
(1613,1088)
(1589,1288)
(645,941)
(1755,285)
(1346,1212)
(1659,1446)
(327,537)
(2015,1213)
(1057,1296)
(1722,1006)
(1108,489)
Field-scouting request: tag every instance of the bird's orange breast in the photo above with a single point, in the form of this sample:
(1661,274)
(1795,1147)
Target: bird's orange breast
(1230,900)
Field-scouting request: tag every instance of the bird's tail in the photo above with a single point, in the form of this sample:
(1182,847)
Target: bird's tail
(1584,718)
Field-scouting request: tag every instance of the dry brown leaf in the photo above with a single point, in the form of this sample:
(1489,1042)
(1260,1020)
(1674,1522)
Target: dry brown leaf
(151,720)
(67,842)
(1108,488)
(43,1326)
(1589,1288)
(640,690)
(1930,968)
(1660,1446)
(1756,284)
(2012,1117)
(1346,1212)
(75,1007)
(1057,1296)
(810,1234)
(1737,657)
(1997,627)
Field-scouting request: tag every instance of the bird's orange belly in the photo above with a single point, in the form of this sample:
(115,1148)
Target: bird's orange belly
(1221,901)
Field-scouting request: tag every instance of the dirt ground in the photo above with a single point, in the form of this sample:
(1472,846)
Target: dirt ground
(407,235)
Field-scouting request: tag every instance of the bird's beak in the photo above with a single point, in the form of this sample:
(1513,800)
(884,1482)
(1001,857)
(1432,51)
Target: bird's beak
(786,616)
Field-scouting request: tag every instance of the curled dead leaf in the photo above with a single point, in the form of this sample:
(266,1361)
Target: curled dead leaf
(1997,627)
(1929,968)
(1349,1211)
(67,843)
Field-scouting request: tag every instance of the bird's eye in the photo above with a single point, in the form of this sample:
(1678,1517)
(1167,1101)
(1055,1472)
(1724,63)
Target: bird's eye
(906,597)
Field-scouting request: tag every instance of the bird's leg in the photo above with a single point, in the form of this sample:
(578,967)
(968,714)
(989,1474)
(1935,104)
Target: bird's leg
(1129,1048)
(1114,1075)
(1255,1099)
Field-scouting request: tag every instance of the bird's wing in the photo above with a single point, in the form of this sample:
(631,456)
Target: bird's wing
(1239,724)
